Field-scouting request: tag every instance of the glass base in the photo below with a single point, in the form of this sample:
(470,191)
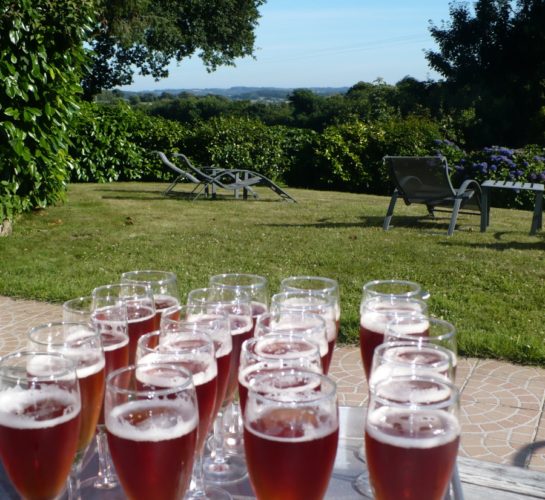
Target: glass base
(209,493)
(363,486)
(89,491)
(232,468)
(360,454)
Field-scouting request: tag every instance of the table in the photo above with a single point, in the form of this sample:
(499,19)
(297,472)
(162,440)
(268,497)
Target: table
(538,189)
(480,480)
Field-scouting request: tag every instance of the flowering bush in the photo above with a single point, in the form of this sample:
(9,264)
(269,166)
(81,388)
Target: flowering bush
(498,163)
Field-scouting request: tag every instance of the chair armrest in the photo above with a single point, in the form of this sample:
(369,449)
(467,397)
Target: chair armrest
(469,184)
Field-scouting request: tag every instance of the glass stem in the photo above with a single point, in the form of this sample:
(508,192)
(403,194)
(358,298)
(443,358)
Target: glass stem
(218,448)
(198,476)
(74,492)
(106,474)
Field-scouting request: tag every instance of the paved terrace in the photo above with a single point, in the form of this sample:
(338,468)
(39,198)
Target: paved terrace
(502,404)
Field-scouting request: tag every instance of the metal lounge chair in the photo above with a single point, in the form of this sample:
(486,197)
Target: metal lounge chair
(181,175)
(426,180)
(232,179)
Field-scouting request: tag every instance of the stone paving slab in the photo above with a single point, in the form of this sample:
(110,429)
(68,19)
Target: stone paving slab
(501,410)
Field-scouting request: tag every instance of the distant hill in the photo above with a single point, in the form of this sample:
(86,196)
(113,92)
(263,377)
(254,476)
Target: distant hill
(247,93)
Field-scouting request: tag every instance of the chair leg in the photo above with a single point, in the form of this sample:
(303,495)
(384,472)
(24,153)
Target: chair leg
(171,187)
(485,210)
(536,219)
(454,216)
(390,211)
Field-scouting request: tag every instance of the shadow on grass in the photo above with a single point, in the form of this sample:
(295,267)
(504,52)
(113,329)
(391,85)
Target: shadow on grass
(143,194)
(501,246)
(424,222)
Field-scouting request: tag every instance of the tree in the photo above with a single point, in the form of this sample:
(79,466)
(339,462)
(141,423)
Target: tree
(494,60)
(41,59)
(148,34)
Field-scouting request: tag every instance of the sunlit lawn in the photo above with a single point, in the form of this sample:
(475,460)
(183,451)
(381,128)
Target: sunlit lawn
(490,285)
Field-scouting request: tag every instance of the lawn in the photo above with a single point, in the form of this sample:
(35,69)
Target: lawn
(490,285)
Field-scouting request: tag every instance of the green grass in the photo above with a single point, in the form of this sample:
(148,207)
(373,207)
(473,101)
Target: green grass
(491,285)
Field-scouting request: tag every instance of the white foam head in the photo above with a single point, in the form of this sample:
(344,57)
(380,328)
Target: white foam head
(14,401)
(202,367)
(376,314)
(403,428)
(166,419)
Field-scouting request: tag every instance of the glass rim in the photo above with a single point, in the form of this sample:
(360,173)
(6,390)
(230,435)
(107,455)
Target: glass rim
(370,304)
(195,305)
(170,337)
(452,401)
(326,384)
(431,320)
(260,281)
(68,369)
(169,277)
(317,321)
(405,342)
(270,337)
(417,287)
(328,299)
(112,286)
(188,383)
(239,298)
(334,284)
(77,300)
(93,334)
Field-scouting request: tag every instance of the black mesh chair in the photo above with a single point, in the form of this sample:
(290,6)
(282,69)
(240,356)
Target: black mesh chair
(426,180)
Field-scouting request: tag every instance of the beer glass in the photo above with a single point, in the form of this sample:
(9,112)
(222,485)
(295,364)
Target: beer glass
(325,285)
(151,420)
(291,432)
(375,314)
(39,421)
(194,350)
(311,326)
(215,323)
(423,329)
(110,320)
(275,352)
(77,310)
(257,287)
(138,300)
(412,435)
(81,343)
(310,301)
(378,307)
(228,465)
(163,284)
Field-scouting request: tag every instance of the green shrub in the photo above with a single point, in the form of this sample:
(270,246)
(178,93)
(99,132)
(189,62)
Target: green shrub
(230,142)
(41,60)
(114,142)
(349,156)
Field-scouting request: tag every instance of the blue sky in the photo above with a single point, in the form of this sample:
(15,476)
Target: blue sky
(323,43)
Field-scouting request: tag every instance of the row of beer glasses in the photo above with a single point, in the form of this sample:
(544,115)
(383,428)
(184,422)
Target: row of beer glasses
(101,332)
(97,335)
(411,430)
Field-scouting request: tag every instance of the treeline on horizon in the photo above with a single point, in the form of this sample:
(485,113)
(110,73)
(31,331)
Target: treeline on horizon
(317,108)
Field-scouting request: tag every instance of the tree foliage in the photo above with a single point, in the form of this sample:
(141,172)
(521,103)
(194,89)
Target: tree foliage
(148,34)
(41,56)
(493,59)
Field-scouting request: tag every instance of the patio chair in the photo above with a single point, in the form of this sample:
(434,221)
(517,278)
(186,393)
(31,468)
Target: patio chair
(426,180)
(181,175)
(232,179)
